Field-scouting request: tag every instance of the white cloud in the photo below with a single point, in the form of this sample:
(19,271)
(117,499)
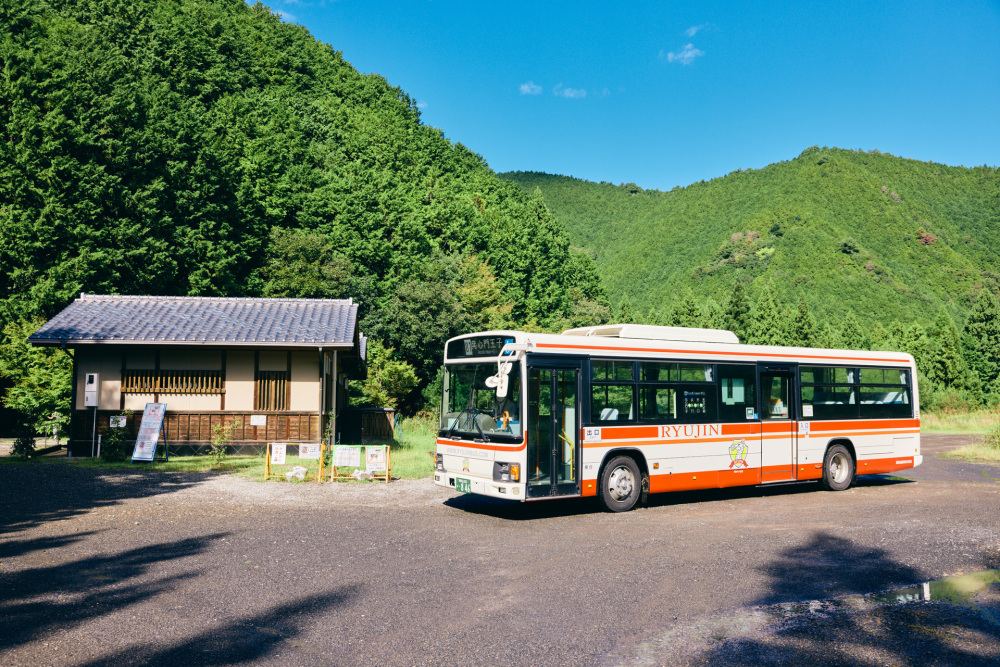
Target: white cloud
(693,30)
(685,56)
(569,93)
(287,17)
(421,104)
(530,88)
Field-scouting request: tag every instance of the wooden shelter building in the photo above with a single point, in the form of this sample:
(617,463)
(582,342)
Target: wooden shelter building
(278,366)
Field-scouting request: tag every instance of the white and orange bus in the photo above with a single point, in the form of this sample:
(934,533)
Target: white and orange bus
(620,411)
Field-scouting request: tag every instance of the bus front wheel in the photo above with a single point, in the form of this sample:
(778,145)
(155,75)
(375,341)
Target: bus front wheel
(621,484)
(838,468)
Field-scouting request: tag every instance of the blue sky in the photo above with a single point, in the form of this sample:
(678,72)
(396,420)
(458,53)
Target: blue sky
(669,93)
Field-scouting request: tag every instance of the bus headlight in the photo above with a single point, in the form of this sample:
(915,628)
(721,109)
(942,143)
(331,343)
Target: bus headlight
(439,463)
(506,472)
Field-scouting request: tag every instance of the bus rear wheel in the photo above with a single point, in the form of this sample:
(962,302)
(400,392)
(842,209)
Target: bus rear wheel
(838,468)
(621,484)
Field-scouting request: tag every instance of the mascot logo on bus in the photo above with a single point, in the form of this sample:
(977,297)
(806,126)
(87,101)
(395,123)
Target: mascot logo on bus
(738,453)
(465,465)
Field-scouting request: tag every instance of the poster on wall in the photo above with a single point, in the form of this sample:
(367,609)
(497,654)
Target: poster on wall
(149,431)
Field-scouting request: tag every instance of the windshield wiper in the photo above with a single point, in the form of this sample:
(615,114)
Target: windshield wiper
(473,413)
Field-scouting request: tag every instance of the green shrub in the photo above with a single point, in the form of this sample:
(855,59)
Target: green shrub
(114,444)
(24,444)
(992,438)
(221,435)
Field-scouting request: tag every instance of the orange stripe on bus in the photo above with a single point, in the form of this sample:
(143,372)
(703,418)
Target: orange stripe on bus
(713,479)
(481,445)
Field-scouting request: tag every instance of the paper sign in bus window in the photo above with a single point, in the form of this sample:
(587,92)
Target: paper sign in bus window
(732,391)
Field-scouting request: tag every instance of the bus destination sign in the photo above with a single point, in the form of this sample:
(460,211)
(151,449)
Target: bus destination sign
(480,346)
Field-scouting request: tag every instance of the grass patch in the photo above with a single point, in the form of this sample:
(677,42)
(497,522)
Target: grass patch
(244,465)
(411,458)
(987,450)
(978,421)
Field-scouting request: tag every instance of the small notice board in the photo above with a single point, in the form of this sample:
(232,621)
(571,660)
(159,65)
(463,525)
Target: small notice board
(150,429)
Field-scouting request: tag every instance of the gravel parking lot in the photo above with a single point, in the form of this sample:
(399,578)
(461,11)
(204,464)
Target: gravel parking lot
(109,568)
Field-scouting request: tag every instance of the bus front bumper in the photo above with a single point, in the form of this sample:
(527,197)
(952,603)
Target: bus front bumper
(478,485)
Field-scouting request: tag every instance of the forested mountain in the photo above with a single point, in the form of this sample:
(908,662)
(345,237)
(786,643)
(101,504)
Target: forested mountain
(880,236)
(835,247)
(204,147)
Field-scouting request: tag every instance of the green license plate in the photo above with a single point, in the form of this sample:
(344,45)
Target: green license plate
(463,485)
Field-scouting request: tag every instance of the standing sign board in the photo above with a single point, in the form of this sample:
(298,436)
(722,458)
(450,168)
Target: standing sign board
(149,432)
(375,458)
(309,450)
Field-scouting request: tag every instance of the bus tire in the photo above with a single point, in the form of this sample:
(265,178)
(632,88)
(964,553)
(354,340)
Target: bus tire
(621,484)
(838,468)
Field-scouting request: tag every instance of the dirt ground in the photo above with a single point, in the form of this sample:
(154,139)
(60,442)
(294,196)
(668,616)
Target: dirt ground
(138,567)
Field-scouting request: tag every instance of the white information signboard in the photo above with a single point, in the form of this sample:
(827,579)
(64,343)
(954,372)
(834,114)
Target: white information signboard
(375,458)
(258,420)
(278,453)
(348,457)
(308,450)
(118,422)
(149,431)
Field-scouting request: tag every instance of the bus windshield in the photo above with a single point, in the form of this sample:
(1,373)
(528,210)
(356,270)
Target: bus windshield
(471,410)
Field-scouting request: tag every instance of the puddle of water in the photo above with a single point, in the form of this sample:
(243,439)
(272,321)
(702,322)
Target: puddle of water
(957,590)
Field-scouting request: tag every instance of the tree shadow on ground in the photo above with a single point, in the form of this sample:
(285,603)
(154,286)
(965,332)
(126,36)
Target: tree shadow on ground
(808,619)
(529,511)
(36,600)
(44,491)
(247,639)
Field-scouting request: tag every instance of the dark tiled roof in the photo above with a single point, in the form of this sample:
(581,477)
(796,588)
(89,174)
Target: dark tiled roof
(202,320)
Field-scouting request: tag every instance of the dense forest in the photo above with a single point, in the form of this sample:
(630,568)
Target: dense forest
(836,248)
(204,147)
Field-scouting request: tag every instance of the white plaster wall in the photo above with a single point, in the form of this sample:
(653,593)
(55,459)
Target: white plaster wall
(190,359)
(239,380)
(305,381)
(273,361)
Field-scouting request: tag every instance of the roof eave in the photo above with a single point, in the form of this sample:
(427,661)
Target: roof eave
(62,342)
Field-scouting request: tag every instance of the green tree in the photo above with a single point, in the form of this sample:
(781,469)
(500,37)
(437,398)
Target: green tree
(947,369)
(303,264)
(981,339)
(711,315)
(737,316)
(389,380)
(41,377)
(802,331)
(852,336)
(766,325)
(624,314)
(688,313)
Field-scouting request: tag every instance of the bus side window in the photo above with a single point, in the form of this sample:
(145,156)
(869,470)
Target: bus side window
(611,403)
(737,399)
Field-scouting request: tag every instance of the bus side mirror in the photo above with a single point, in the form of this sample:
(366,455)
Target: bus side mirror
(498,382)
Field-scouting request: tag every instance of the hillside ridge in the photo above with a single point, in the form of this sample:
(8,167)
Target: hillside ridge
(884,237)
